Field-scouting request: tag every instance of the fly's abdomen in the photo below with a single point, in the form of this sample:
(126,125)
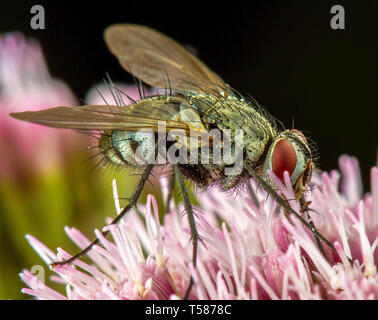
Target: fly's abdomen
(128,148)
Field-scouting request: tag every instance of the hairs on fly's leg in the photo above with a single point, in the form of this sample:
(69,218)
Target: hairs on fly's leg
(311,188)
(123,198)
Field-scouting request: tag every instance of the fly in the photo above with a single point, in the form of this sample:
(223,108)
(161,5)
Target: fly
(212,119)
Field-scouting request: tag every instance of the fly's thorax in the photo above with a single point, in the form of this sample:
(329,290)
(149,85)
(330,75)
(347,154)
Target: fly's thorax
(290,152)
(245,132)
(128,148)
(231,113)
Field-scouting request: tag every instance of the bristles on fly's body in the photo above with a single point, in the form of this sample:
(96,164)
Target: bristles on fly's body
(103,152)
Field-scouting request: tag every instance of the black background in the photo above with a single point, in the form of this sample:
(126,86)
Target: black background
(284,53)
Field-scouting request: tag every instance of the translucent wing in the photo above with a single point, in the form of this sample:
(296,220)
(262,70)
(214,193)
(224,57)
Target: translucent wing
(146,114)
(152,56)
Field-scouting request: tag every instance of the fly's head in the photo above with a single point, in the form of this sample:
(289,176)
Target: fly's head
(290,152)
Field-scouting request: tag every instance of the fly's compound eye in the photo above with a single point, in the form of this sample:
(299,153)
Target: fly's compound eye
(285,156)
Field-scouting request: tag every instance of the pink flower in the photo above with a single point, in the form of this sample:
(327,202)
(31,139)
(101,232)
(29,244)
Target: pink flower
(254,253)
(27,85)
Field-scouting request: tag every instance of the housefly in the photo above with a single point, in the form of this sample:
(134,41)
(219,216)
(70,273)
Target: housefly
(198,119)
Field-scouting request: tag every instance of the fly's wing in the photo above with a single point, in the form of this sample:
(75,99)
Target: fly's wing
(152,57)
(145,114)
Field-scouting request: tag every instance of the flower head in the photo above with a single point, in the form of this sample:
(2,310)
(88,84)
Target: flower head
(25,84)
(254,253)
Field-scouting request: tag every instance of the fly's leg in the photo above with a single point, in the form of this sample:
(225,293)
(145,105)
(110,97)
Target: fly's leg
(282,202)
(311,226)
(304,208)
(133,200)
(252,194)
(192,224)
(171,188)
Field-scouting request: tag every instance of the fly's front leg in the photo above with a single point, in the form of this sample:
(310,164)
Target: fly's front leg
(304,208)
(192,224)
(283,203)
